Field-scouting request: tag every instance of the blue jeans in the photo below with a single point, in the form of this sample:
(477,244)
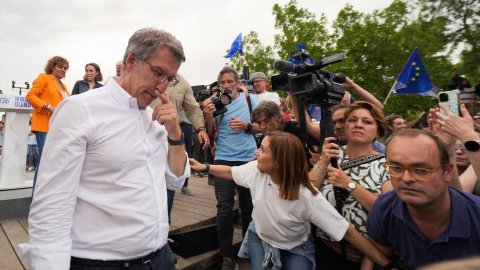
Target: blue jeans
(300,257)
(32,149)
(224,192)
(41,138)
(163,261)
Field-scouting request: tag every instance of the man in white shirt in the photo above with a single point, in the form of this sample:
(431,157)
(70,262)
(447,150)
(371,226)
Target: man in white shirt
(260,89)
(100,199)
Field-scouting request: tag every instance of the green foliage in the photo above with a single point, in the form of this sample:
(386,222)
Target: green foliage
(378,44)
(463,32)
(298,25)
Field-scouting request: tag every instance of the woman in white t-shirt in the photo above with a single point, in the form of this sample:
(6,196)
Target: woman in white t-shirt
(285,202)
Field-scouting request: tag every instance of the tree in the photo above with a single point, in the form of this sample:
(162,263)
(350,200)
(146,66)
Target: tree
(463,32)
(297,25)
(377,45)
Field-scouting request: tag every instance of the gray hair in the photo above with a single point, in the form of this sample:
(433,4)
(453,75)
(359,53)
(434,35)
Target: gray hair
(144,41)
(227,69)
(268,109)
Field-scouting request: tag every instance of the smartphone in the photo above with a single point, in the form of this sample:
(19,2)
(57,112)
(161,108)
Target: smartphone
(451,99)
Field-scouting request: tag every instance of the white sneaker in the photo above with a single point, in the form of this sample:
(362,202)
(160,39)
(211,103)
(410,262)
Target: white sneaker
(31,168)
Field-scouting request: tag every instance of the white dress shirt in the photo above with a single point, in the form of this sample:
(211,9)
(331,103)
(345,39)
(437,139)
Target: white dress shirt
(101,187)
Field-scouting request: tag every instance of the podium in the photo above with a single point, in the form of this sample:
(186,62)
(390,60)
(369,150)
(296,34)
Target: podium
(15,188)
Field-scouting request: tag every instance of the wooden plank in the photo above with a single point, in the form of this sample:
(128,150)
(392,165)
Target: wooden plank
(24,223)
(189,212)
(16,234)
(8,257)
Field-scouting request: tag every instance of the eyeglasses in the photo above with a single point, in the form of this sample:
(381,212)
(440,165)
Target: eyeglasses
(476,118)
(460,147)
(160,77)
(259,81)
(421,174)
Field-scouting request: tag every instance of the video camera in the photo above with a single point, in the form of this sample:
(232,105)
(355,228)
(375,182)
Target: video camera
(246,79)
(311,84)
(315,85)
(201,92)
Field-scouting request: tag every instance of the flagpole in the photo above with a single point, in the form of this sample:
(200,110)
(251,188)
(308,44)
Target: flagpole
(389,93)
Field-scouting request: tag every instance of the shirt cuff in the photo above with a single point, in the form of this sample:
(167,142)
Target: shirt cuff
(173,182)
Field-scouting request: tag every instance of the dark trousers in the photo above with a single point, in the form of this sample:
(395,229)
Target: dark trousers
(163,261)
(328,259)
(225,192)
(187,131)
(170,197)
(197,152)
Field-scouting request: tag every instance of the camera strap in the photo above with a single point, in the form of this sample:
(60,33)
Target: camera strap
(249,102)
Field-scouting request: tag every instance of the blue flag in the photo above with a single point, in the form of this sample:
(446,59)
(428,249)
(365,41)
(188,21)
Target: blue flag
(414,79)
(236,47)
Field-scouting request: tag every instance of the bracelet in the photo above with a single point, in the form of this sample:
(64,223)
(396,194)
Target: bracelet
(249,127)
(320,170)
(207,167)
(323,172)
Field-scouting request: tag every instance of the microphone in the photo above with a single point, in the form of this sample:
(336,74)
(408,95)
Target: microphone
(339,77)
(284,66)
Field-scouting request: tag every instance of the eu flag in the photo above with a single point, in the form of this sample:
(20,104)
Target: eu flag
(414,78)
(236,47)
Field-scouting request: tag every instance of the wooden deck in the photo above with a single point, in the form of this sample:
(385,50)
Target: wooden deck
(188,212)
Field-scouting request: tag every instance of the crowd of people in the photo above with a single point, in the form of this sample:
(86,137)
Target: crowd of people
(377,195)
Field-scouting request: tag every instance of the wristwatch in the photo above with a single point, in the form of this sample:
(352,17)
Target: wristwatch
(201,129)
(472,145)
(351,186)
(179,142)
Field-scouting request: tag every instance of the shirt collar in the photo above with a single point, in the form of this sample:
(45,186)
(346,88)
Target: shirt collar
(124,99)
(459,223)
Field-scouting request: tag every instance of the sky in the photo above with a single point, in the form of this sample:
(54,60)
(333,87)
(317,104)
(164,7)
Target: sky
(85,31)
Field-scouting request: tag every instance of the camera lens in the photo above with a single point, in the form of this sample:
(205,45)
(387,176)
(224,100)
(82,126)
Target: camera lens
(443,97)
(225,99)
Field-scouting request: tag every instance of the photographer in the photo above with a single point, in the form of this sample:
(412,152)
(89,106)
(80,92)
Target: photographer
(235,146)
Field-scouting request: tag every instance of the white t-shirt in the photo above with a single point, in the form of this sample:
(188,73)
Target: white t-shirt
(272,96)
(285,224)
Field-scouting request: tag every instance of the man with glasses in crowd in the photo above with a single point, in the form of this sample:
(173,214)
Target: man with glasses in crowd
(423,219)
(260,83)
(101,202)
(476,120)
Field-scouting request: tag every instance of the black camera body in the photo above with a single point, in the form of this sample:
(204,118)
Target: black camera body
(221,101)
(315,85)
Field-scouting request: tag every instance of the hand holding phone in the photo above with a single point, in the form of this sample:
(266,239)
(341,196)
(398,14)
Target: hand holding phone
(451,100)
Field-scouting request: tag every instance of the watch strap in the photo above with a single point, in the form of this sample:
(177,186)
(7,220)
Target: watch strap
(179,142)
(472,145)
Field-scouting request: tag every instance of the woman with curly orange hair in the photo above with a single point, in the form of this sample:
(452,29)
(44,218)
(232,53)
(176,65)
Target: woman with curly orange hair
(46,92)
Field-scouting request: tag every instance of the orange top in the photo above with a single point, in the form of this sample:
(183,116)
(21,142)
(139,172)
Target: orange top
(45,90)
